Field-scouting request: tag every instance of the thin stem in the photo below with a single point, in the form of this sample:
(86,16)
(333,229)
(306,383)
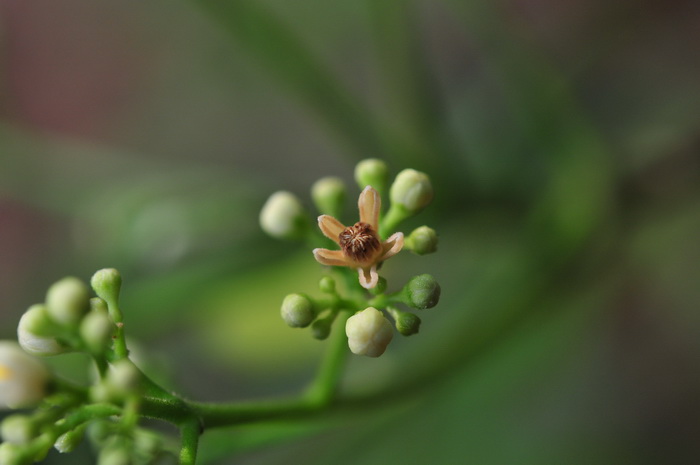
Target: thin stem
(322,389)
(190,432)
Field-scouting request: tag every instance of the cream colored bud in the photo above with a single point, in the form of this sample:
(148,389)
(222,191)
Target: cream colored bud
(23,378)
(18,429)
(68,300)
(369,332)
(283,216)
(412,190)
(33,332)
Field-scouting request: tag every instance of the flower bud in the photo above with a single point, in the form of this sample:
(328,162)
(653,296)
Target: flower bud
(297,311)
(369,332)
(372,172)
(283,217)
(18,429)
(114,453)
(68,300)
(107,283)
(406,323)
(123,379)
(321,328)
(97,329)
(68,441)
(422,292)
(34,330)
(412,190)
(23,378)
(13,454)
(98,305)
(422,241)
(328,195)
(327,285)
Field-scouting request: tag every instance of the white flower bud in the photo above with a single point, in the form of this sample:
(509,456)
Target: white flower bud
(369,332)
(328,195)
(297,311)
(68,300)
(33,332)
(18,429)
(283,216)
(23,378)
(412,190)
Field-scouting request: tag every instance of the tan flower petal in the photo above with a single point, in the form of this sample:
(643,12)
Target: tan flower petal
(369,205)
(330,227)
(392,246)
(368,277)
(331,257)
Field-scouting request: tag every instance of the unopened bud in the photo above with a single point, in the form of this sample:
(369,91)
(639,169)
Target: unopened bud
(328,195)
(107,283)
(283,216)
(97,329)
(13,454)
(369,332)
(422,241)
(68,300)
(123,379)
(422,292)
(68,441)
(321,328)
(297,311)
(412,190)
(34,332)
(327,285)
(18,429)
(406,323)
(372,172)
(98,305)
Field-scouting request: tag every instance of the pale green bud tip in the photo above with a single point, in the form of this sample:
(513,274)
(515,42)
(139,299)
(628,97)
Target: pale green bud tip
(68,300)
(12,454)
(97,329)
(18,429)
(297,311)
(422,292)
(412,190)
(107,283)
(124,376)
(283,216)
(23,378)
(34,332)
(369,332)
(328,195)
(372,172)
(98,305)
(67,442)
(327,285)
(422,241)
(407,323)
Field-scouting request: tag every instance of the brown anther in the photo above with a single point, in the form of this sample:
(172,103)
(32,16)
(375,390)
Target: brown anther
(359,242)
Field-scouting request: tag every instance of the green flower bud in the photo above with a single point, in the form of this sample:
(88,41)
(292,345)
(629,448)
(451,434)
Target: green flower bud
(327,285)
(422,241)
(68,300)
(18,429)
(68,441)
(98,305)
(328,195)
(122,380)
(422,292)
(13,454)
(372,172)
(97,329)
(34,332)
(297,311)
(283,216)
(114,453)
(406,323)
(107,283)
(321,328)
(412,190)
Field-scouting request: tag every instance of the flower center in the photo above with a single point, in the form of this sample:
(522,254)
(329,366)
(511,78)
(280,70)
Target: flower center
(5,373)
(359,242)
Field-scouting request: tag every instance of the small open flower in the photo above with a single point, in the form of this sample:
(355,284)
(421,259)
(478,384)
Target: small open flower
(23,379)
(360,245)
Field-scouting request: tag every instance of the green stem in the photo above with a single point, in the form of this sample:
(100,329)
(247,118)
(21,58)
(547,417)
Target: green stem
(120,350)
(190,432)
(391,220)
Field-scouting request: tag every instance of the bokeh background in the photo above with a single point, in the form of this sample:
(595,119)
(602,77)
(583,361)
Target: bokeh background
(563,139)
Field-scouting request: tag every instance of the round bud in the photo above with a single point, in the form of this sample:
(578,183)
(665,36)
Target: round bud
(328,195)
(18,429)
(422,292)
(422,241)
(68,300)
(407,323)
(97,329)
(297,311)
(369,332)
(321,328)
(114,454)
(107,283)
(283,216)
(412,190)
(327,285)
(372,172)
(23,378)
(98,305)
(12,454)
(34,330)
